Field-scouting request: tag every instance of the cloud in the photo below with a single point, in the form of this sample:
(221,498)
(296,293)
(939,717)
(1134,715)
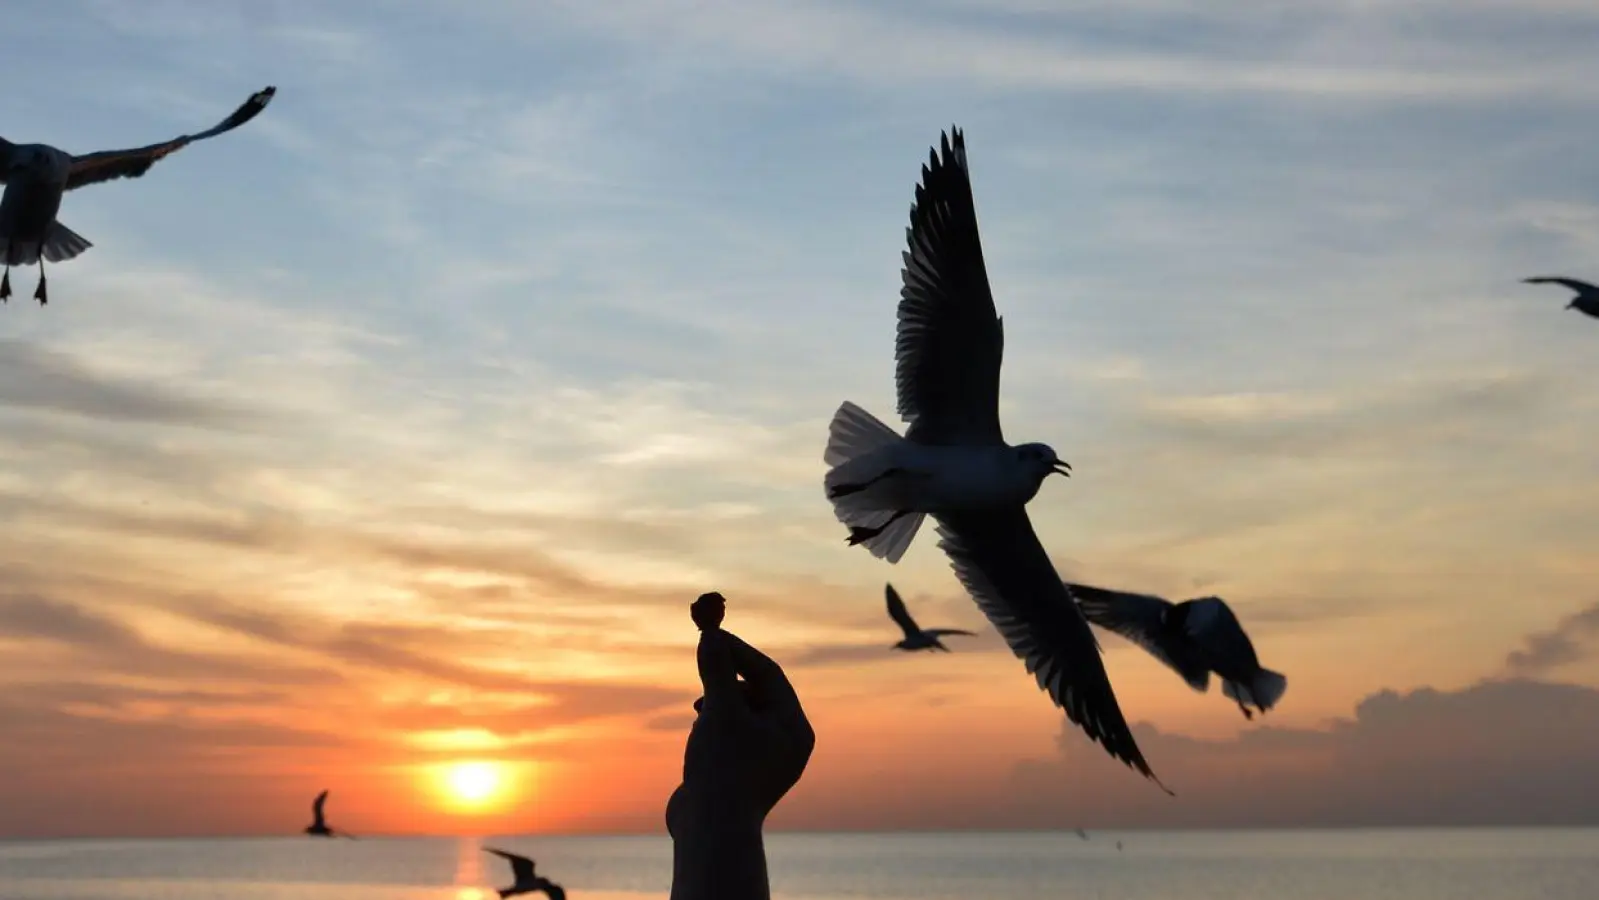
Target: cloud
(1574,638)
(1495,753)
(1306,50)
(36,378)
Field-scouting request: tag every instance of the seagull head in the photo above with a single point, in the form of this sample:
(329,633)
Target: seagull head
(1041,461)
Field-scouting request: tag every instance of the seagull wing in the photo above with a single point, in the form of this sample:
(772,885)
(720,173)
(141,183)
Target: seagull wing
(521,866)
(1581,287)
(5,158)
(898,612)
(1213,625)
(316,808)
(940,632)
(1137,617)
(92,168)
(950,340)
(553,890)
(997,556)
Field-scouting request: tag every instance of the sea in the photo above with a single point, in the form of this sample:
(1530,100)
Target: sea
(1354,864)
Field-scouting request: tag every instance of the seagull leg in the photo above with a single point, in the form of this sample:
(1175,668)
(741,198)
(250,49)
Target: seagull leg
(5,286)
(39,292)
(844,490)
(859,534)
(1247,714)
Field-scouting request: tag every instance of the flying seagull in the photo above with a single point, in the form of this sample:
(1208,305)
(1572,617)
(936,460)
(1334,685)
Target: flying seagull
(916,637)
(319,826)
(1194,638)
(524,880)
(954,464)
(37,175)
(1587,299)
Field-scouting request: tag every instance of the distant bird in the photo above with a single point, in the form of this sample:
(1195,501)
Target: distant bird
(319,826)
(524,880)
(1193,638)
(916,637)
(1118,846)
(1587,299)
(954,464)
(37,175)
(1082,834)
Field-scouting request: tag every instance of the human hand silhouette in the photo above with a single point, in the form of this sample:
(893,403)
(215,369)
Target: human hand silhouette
(748,746)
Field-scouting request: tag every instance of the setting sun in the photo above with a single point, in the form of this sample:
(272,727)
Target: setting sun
(474,785)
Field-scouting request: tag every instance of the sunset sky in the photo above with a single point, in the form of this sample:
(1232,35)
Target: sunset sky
(397,429)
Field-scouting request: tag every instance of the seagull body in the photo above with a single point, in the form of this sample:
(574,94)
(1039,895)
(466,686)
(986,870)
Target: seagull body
(319,825)
(36,176)
(916,637)
(1193,638)
(954,464)
(523,878)
(1587,299)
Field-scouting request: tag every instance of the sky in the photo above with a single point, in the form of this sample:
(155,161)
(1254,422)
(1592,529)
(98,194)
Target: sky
(398,428)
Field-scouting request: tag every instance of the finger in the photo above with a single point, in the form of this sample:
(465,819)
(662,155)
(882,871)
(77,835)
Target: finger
(718,675)
(764,675)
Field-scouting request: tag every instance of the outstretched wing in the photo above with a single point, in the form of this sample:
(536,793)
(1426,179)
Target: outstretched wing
(1581,287)
(106,165)
(940,632)
(950,340)
(316,806)
(521,866)
(1138,618)
(898,612)
(997,556)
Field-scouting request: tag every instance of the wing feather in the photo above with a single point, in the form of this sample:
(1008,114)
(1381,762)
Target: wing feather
(106,165)
(1137,617)
(998,557)
(949,341)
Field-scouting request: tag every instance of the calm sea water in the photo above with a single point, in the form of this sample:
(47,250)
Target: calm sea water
(1463,864)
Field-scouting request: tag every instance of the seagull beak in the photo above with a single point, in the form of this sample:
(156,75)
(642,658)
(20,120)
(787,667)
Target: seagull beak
(1061,467)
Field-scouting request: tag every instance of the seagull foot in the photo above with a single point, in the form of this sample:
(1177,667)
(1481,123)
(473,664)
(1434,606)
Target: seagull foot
(860,535)
(1247,714)
(39,293)
(5,287)
(844,490)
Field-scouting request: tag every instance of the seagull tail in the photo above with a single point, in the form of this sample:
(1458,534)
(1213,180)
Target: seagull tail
(62,243)
(861,453)
(854,433)
(1264,690)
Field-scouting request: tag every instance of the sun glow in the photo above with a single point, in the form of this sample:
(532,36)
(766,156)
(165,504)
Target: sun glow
(472,785)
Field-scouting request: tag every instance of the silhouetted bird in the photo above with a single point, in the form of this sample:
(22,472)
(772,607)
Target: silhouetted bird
(37,175)
(1194,638)
(1587,299)
(523,879)
(954,464)
(916,637)
(319,826)
(1082,834)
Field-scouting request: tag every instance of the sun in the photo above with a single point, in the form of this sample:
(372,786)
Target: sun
(472,785)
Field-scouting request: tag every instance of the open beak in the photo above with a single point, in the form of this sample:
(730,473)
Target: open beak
(1061,467)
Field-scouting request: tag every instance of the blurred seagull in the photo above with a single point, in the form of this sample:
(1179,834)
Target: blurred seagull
(37,175)
(954,464)
(523,879)
(319,826)
(1194,638)
(1587,299)
(916,637)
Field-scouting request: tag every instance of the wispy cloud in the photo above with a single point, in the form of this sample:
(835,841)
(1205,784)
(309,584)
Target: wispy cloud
(1574,638)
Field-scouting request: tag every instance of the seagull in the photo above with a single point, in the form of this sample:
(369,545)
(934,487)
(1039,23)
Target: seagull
(1194,638)
(319,825)
(916,637)
(37,175)
(524,881)
(1082,834)
(954,464)
(1587,299)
